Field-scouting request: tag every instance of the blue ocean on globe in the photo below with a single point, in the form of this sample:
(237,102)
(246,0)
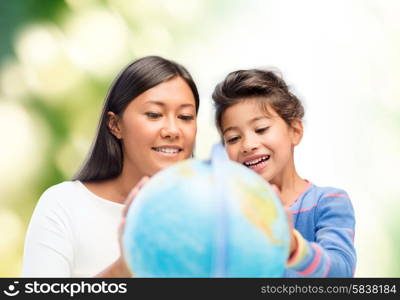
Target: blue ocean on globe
(212,218)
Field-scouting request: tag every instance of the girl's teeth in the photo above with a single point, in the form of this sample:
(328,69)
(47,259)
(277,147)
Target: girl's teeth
(256,161)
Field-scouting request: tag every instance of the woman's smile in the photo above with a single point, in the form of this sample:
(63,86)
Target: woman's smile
(168,150)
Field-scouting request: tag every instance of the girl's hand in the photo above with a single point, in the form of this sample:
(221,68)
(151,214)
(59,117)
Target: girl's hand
(293,240)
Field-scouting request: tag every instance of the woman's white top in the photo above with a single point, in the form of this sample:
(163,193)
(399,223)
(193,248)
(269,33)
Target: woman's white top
(72,233)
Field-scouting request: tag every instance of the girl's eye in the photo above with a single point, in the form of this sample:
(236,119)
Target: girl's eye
(262,130)
(186,117)
(153,115)
(232,140)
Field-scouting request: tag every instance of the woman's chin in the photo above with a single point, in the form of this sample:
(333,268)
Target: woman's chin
(162,161)
(159,166)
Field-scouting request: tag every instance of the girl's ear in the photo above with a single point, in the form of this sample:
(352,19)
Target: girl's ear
(114,125)
(297,131)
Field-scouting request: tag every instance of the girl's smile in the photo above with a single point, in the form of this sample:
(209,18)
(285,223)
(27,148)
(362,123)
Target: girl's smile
(257,163)
(261,140)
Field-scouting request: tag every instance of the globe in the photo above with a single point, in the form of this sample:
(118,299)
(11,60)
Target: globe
(212,218)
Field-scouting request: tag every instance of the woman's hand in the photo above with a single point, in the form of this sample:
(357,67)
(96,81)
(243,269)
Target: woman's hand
(293,240)
(128,202)
(119,268)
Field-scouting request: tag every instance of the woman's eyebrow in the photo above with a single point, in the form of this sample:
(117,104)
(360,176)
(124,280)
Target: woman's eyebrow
(163,104)
(155,102)
(187,105)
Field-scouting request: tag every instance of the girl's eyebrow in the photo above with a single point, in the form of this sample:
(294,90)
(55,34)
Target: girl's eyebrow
(229,128)
(257,118)
(249,122)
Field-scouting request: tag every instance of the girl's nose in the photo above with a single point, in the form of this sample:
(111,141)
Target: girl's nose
(249,145)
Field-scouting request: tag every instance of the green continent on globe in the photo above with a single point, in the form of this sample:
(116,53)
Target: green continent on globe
(259,211)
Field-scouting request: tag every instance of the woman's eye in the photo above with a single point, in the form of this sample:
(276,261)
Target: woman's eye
(261,130)
(232,140)
(153,115)
(186,117)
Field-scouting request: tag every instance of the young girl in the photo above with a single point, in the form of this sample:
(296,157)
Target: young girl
(260,121)
(148,123)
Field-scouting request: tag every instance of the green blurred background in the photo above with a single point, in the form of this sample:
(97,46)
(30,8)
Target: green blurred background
(58,58)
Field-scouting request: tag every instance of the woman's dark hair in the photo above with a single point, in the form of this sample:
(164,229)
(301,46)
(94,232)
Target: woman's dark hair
(264,85)
(106,157)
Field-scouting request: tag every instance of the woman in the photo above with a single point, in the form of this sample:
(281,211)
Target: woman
(148,123)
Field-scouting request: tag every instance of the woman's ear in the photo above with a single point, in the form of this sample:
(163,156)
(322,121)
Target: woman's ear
(297,131)
(114,125)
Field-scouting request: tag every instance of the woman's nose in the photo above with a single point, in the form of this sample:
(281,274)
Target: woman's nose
(170,130)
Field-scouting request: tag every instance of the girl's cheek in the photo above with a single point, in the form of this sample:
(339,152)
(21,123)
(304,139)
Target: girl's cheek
(231,153)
